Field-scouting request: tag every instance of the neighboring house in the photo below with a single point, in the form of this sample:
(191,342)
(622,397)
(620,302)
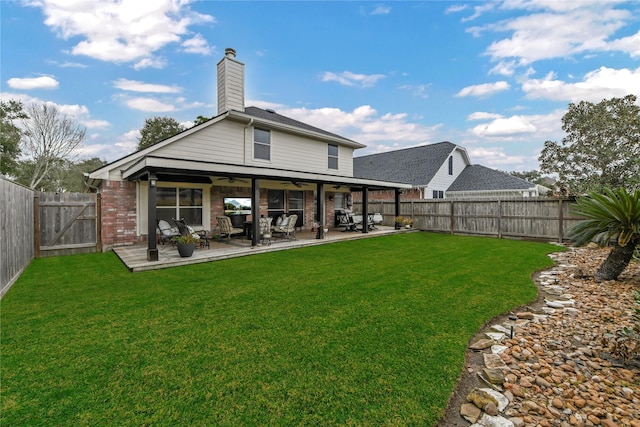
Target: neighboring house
(275,163)
(441,170)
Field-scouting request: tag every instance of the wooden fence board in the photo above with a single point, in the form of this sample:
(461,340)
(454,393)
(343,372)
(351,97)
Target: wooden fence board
(16,232)
(68,223)
(533,218)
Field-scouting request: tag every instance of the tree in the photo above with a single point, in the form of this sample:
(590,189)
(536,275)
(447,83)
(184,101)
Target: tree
(533,176)
(601,149)
(156,129)
(49,139)
(10,135)
(201,119)
(611,215)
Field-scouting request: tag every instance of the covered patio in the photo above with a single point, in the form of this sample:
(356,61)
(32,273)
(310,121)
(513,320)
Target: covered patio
(135,257)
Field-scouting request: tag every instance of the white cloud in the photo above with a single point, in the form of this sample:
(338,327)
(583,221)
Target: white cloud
(479,10)
(495,158)
(504,127)
(197,44)
(630,44)
(28,83)
(95,124)
(136,86)
(149,104)
(419,91)
(505,68)
(557,30)
(347,78)
(381,10)
(483,116)
(596,86)
(150,62)
(456,8)
(483,89)
(120,31)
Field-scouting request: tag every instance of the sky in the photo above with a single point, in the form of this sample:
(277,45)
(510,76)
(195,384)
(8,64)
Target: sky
(494,77)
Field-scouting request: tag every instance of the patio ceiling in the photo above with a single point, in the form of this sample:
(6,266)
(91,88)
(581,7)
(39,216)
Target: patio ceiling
(167,169)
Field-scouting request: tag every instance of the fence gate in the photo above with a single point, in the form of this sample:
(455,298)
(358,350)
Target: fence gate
(67,223)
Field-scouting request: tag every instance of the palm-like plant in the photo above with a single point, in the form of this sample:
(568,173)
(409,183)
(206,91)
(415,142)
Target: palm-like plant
(613,214)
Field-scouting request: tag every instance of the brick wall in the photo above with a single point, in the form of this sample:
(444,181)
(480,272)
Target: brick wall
(119,213)
(388,195)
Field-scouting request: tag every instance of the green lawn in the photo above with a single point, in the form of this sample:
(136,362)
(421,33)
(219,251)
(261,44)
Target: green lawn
(365,332)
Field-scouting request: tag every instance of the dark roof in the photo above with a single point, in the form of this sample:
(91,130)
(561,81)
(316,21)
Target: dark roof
(416,165)
(482,178)
(278,118)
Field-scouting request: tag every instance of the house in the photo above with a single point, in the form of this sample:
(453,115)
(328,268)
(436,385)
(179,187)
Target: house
(441,170)
(257,158)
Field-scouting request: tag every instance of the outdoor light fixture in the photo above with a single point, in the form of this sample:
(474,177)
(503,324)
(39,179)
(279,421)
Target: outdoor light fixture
(512,318)
(152,180)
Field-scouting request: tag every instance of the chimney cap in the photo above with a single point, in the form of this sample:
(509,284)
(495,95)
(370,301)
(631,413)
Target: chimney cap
(230,53)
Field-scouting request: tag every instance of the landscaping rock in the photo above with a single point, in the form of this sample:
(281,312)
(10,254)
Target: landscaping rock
(556,370)
(480,398)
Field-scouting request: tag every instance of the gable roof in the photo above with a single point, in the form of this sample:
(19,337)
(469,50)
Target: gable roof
(482,178)
(272,116)
(416,165)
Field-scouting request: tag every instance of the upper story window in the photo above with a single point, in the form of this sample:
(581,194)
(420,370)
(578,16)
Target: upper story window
(438,194)
(333,156)
(261,144)
(450,165)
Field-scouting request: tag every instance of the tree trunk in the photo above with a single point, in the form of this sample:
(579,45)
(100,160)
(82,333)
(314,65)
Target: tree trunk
(616,262)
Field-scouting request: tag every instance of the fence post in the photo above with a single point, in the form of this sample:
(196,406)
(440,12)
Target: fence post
(499,219)
(560,219)
(451,218)
(98,222)
(36,225)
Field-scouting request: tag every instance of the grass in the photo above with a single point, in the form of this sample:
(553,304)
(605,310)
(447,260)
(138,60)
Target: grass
(367,332)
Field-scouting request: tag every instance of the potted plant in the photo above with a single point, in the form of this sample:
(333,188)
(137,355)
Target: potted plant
(186,244)
(399,221)
(408,222)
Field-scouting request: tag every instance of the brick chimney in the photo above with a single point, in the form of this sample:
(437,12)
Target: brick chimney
(230,83)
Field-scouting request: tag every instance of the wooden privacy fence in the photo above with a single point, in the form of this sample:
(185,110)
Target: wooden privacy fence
(67,223)
(16,232)
(535,218)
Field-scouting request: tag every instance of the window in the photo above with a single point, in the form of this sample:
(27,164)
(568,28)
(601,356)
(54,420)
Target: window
(333,156)
(179,203)
(261,144)
(437,194)
(450,165)
(275,203)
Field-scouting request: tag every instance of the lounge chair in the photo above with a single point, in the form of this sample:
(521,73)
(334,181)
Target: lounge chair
(226,229)
(166,232)
(287,228)
(185,229)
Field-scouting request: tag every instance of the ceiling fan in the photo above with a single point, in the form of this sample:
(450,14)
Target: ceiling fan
(295,183)
(231,180)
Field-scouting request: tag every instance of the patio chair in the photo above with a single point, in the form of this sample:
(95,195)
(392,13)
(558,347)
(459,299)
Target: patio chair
(226,229)
(185,229)
(344,219)
(287,227)
(378,219)
(265,230)
(166,232)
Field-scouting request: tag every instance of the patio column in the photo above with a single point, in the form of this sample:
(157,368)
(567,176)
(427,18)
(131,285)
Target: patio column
(365,209)
(398,192)
(152,249)
(320,205)
(255,211)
